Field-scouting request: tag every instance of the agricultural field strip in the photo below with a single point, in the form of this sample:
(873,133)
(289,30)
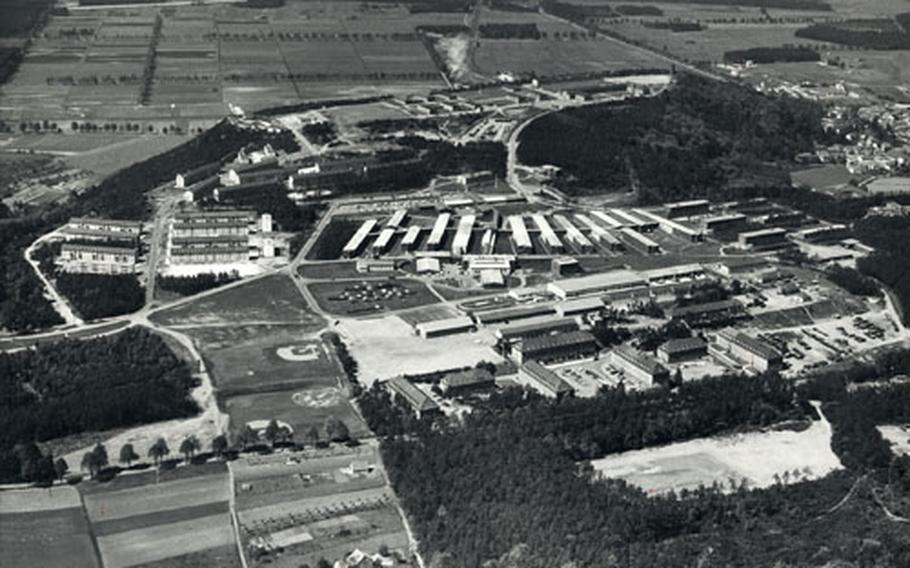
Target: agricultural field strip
(124,524)
(245,472)
(157,498)
(285,508)
(34,500)
(151,544)
(49,538)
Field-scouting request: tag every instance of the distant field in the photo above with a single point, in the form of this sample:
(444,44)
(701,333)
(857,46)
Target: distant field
(264,300)
(755,457)
(47,528)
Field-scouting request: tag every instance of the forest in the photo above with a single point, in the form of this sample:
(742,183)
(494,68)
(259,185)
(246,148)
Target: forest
(190,285)
(890,263)
(700,138)
(75,386)
(96,296)
(884,37)
(505,490)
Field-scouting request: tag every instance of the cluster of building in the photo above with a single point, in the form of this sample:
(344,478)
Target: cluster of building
(100,246)
(217,237)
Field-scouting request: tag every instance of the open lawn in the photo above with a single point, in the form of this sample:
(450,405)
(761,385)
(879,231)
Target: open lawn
(898,437)
(388,347)
(299,408)
(755,457)
(269,299)
(247,359)
(221,556)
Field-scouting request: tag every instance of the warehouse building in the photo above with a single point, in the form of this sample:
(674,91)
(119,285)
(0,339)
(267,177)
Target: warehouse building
(634,221)
(687,208)
(97,258)
(579,306)
(609,221)
(383,241)
(547,234)
(672,227)
(826,233)
(596,284)
(409,241)
(749,350)
(438,232)
(553,348)
(463,235)
(397,219)
(543,380)
(443,327)
(357,240)
(763,238)
(724,223)
(520,237)
(598,233)
(687,348)
(573,235)
(635,240)
(517,332)
(511,314)
(85,228)
(420,402)
(641,367)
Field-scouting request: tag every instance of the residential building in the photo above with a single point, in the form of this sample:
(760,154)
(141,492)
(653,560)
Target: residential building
(88,228)
(641,367)
(676,350)
(763,238)
(749,350)
(543,380)
(97,258)
(559,347)
(467,381)
(517,332)
(687,208)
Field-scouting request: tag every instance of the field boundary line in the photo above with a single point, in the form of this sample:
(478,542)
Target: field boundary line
(235,524)
(91,530)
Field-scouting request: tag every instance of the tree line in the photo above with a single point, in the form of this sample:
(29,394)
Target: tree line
(71,387)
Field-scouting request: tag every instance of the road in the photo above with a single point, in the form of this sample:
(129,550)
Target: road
(60,304)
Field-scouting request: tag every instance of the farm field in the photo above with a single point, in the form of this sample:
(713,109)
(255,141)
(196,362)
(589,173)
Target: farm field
(260,358)
(366,296)
(41,527)
(270,299)
(558,57)
(387,347)
(755,457)
(140,521)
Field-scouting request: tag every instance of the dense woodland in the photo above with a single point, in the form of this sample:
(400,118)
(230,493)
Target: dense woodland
(189,285)
(783,54)
(504,489)
(96,296)
(890,263)
(71,387)
(868,34)
(700,138)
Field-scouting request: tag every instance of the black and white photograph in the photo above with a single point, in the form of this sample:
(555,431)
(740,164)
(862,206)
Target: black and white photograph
(454,283)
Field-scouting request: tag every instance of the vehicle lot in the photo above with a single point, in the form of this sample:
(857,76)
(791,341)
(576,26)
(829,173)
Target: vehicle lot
(371,296)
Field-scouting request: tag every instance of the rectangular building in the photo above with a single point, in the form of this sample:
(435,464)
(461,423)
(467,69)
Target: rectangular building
(409,241)
(596,284)
(97,259)
(724,223)
(684,349)
(520,237)
(438,233)
(101,229)
(399,217)
(573,234)
(641,367)
(442,327)
(598,233)
(420,402)
(687,208)
(635,240)
(825,233)
(517,332)
(356,242)
(672,227)
(579,306)
(547,235)
(543,380)
(749,350)
(468,381)
(763,238)
(463,235)
(381,244)
(559,347)
(609,221)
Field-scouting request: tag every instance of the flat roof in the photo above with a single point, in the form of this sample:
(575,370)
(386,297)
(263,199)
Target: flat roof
(672,271)
(707,307)
(358,237)
(689,203)
(98,248)
(519,231)
(100,221)
(453,323)
(568,339)
(763,233)
(603,280)
(517,330)
(581,304)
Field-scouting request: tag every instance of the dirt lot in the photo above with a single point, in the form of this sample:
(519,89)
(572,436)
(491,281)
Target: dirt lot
(41,527)
(264,300)
(755,457)
(405,293)
(387,347)
(898,436)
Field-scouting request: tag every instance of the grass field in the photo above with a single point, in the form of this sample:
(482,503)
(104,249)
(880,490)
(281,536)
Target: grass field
(269,299)
(261,358)
(299,408)
(754,457)
(328,296)
(41,527)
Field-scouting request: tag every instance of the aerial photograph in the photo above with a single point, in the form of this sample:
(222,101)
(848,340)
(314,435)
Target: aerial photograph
(455,283)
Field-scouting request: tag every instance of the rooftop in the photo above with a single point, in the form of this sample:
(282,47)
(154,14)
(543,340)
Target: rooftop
(415,397)
(545,342)
(546,377)
(641,360)
(683,345)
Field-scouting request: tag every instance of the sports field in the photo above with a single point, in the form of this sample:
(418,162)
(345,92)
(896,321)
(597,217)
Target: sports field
(270,299)
(757,458)
(45,527)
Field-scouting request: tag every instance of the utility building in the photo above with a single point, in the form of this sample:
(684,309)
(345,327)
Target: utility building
(676,350)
